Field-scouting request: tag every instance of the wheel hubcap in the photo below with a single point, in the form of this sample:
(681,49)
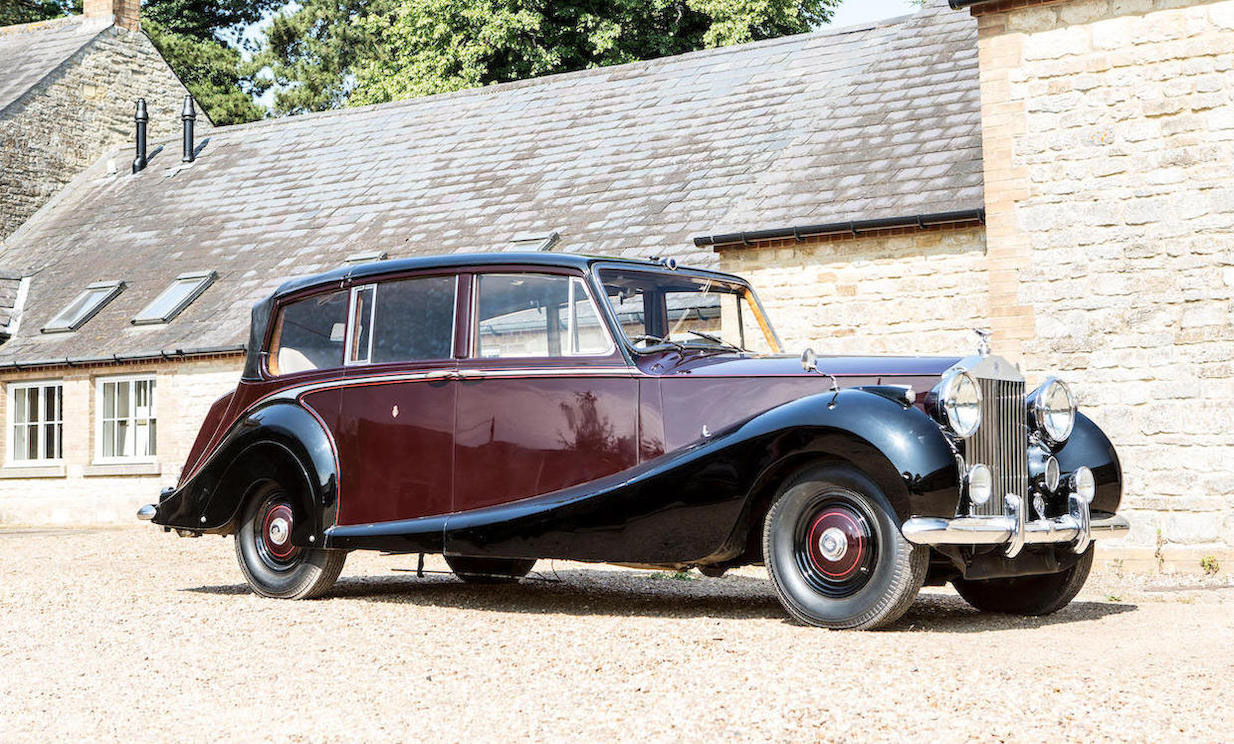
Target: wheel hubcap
(274,536)
(836,549)
(833,544)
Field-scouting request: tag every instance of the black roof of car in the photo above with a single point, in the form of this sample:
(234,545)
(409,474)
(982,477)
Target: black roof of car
(352,273)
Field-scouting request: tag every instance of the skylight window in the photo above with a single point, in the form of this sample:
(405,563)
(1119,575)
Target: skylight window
(173,300)
(84,307)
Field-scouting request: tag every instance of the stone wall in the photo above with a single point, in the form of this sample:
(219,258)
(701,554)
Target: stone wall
(81,492)
(1118,120)
(78,113)
(902,292)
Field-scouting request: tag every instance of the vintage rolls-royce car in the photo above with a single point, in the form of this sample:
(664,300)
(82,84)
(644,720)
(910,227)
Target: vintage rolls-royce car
(503,408)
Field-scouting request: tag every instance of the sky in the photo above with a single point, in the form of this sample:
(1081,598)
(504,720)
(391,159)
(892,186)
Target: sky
(862,11)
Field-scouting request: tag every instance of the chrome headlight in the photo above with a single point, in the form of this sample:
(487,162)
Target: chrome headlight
(959,400)
(1052,410)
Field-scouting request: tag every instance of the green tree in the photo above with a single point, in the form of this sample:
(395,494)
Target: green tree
(13,12)
(202,41)
(328,53)
(312,50)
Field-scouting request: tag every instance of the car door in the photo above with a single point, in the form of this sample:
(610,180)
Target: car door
(545,401)
(395,431)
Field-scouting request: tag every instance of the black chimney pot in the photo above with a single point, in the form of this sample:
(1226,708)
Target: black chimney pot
(141,117)
(188,115)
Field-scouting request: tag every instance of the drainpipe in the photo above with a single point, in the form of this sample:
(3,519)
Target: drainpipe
(141,117)
(188,115)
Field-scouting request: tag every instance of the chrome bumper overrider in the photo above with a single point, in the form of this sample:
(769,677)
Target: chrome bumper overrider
(146,513)
(1078,528)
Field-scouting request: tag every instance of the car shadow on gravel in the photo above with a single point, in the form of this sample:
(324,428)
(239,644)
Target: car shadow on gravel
(948,613)
(591,592)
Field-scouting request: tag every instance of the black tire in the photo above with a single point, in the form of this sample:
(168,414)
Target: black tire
(275,568)
(877,573)
(474,570)
(1028,595)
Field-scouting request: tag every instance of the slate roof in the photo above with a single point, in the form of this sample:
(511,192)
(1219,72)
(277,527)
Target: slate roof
(32,51)
(632,160)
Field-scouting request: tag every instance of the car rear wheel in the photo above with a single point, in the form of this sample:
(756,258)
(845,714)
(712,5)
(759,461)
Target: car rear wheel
(272,565)
(474,570)
(835,554)
(1028,595)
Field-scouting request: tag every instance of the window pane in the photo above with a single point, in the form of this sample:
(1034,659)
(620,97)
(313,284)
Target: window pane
(81,306)
(173,299)
(415,320)
(531,315)
(57,450)
(124,445)
(124,391)
(21,412)
(20,443)
(49,441)
(585,334)
(151,438)
(362,320)
(310,334)
(109,439)
(109,400)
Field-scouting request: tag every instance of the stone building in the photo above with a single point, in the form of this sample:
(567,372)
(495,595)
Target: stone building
(1107,130)
(1051,170)
(67,96)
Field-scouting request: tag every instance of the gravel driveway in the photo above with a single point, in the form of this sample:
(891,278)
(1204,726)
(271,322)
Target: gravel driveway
(134,635)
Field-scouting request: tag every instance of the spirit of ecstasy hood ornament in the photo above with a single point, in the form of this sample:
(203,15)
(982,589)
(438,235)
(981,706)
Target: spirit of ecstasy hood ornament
(983,341)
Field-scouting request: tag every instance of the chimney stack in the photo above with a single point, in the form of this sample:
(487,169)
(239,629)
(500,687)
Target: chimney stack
(123,13)
(141,117)
(188,116)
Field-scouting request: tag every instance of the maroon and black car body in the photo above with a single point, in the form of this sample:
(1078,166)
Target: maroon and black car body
(502,408)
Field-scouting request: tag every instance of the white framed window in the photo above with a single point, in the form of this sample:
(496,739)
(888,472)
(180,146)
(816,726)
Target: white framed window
(127,419)
(35,422)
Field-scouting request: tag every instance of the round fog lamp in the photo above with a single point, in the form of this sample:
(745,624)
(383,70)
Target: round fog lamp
(1083,483)
(1052,474)
(980,484)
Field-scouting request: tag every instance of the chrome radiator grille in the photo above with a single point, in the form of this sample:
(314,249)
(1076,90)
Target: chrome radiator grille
(1001,442)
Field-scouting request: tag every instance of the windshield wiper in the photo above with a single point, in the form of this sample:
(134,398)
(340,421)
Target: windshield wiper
(717,340)
(657,341)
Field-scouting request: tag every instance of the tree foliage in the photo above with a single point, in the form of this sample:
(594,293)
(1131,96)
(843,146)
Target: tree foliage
(329,53)
(13,12)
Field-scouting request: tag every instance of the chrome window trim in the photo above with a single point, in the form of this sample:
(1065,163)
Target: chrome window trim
(348,331)
(474,324)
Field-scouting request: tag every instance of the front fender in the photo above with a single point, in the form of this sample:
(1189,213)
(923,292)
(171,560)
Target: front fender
(1089,446)
(282,440)
(902,448)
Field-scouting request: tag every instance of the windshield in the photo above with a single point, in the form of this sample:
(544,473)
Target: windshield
(656,308)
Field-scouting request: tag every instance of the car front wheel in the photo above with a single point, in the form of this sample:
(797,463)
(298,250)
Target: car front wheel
(835,554)
(272,565)
(1028,595)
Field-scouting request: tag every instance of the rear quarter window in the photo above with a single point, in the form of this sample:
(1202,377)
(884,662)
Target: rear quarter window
(309,334)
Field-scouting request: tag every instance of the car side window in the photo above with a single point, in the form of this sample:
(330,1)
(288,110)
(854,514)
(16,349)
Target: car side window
(309,334)
(537,315)
(413,319)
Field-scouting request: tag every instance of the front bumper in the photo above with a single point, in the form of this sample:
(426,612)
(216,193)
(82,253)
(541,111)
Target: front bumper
(1013,530)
